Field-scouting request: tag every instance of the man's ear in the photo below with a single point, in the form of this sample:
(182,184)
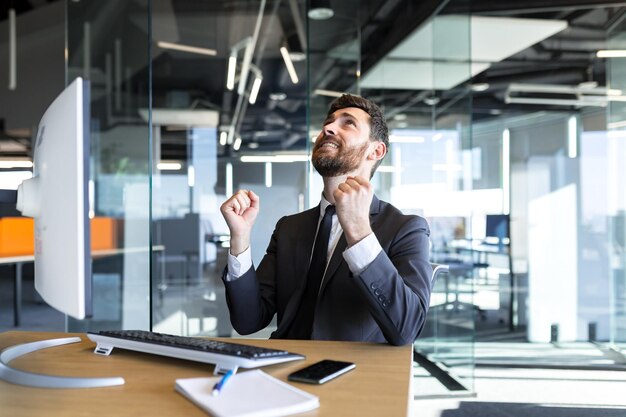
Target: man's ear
(378,152)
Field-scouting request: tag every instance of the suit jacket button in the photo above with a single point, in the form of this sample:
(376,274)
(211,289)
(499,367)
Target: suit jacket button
(385,303)
(378,291)
(373,286)
(381,298)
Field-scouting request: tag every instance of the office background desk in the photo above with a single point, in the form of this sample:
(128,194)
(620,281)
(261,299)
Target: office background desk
(379,386)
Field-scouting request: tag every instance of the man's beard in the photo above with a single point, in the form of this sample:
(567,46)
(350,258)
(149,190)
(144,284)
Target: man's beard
(346,160)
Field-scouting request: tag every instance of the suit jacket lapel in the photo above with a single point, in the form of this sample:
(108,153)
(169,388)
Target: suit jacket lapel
(337,258)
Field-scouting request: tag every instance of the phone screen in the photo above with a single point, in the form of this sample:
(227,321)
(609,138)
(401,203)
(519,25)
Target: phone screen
(321,371)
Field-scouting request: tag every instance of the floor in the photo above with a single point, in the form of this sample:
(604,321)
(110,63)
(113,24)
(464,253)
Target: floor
(498,392)
(534,392)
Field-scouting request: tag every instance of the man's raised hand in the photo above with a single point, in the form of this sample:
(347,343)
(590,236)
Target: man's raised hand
(240,212)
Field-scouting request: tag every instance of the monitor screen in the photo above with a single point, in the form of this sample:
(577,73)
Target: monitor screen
(57,198)
(497,226)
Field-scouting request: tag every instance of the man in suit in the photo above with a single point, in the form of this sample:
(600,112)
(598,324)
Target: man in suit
(375,285)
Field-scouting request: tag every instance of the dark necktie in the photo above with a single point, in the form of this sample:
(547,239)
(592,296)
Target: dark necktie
(303,323)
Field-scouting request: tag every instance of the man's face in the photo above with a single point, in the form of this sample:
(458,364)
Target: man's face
(343,143)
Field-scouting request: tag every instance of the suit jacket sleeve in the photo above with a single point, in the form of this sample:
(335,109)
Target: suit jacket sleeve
(396,285)
(251,297)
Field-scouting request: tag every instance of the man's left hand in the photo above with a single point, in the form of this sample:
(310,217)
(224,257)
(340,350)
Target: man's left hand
(352,201)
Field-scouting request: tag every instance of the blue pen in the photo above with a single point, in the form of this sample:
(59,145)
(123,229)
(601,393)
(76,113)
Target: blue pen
(220,384)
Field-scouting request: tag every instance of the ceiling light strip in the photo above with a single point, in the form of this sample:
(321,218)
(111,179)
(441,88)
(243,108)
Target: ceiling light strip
(290,68)
(329,93)
(232,65)
(255,90)
(611,53)
(555,102)
(169,166)
(285,158)
(7,164)
(186,48)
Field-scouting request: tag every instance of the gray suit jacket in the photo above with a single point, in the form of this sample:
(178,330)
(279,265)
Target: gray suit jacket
(388,301)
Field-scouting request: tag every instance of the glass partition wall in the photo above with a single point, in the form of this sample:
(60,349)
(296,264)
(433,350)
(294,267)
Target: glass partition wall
(612,150)
(420,82)
(227,114)
(546,132)
(108,43)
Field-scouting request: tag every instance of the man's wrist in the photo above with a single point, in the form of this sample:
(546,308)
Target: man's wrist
(238,244)
(355,236)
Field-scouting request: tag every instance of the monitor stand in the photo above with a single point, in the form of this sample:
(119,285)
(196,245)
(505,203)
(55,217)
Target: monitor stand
(30,379)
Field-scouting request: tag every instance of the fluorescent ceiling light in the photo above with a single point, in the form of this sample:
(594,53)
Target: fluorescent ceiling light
(191,176)
(328,93)
(284,158)
(437,136)
(187,48)
(169,166)
(230,78)
(581,95)
(268,174)
(572,137)
(480,87)
(223,137)
(406,139)
(229,179)
(616,125)
(237,143)
(290,68)
(320,10)
(611,53)
(588,84)
(506,170)
(256,84)
(255,90)
(278,96)
(181,117)
(15,163)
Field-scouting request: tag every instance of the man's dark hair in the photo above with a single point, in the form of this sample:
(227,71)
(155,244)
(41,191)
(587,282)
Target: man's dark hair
(378,125)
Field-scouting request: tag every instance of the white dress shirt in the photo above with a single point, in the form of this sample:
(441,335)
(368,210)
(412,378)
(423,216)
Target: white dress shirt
(358,256)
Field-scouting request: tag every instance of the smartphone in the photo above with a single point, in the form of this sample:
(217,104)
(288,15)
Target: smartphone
(322,371)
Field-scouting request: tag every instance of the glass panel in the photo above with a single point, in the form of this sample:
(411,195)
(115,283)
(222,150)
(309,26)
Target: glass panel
(416,72)
(107,43)
(212,138)
(543,106)
(609,157)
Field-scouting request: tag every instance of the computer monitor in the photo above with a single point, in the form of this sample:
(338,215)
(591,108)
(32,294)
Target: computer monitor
(497,227)
(57,198)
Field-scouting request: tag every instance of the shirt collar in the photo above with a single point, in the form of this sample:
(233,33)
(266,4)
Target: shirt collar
(323,204)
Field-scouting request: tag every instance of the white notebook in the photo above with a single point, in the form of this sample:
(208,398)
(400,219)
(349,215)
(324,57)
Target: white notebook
(247,394)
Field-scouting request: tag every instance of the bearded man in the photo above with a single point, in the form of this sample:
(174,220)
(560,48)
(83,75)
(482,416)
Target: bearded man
(353,268)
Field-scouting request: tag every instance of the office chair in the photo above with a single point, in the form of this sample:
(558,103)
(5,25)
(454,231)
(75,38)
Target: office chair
(437,270)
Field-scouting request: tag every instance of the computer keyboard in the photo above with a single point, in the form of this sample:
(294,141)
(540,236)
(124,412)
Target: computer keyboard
(225,355)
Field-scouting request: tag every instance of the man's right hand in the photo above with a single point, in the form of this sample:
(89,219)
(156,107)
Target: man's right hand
(240,212)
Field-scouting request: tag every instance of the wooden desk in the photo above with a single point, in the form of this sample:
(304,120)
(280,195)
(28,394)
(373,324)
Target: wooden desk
(379,386)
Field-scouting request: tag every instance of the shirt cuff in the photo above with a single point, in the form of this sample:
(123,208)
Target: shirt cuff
(362,254)
(238,265)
